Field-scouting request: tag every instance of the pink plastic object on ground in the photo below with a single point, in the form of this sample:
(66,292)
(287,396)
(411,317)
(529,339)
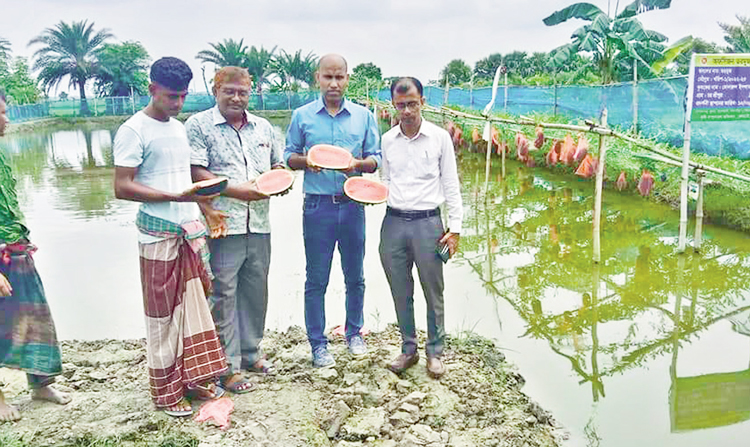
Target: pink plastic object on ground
(218,409)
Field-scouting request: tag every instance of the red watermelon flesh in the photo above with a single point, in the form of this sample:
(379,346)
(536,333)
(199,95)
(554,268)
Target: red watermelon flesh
(365,190)
(329,156)
(274,181)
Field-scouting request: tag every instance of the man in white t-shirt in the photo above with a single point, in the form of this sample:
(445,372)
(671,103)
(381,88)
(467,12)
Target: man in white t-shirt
(152,166)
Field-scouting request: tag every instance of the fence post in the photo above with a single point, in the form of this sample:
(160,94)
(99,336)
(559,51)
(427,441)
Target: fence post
(597,256)
(554,106)
(447,91)
(635,97)
(698,239)
(505,100)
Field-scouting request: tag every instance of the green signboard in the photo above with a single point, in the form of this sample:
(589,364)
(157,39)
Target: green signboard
(720,87)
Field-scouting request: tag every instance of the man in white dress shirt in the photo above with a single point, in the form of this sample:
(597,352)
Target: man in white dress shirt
(419,167)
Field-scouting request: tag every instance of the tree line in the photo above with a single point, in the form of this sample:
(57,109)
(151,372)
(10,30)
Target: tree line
(605,49)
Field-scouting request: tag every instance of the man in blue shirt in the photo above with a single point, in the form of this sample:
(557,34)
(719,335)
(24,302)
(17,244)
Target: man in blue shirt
(329,217)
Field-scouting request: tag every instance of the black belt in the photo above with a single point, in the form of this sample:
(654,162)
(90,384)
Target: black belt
(412,215)
(329,198)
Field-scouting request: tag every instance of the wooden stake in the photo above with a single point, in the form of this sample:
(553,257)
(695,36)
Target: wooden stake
(682,241)
(598,192)
(487,161)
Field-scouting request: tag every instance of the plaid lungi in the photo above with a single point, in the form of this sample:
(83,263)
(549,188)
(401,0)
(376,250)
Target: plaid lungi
(28,340)
(182,345)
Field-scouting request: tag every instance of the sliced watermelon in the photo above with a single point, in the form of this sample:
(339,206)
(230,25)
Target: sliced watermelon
(211,186)
(365,190)
(329,156)
(274,181)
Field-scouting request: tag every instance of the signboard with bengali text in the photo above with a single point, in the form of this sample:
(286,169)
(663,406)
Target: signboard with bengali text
(719,87)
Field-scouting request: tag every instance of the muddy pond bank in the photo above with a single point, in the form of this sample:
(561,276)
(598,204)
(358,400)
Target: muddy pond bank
(357,403)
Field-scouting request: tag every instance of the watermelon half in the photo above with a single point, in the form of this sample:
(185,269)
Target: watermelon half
(274,181)
(365,190)
(329,156)
(211,186)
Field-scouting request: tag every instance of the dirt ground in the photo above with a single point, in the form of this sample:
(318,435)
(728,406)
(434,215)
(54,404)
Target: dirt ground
(359,402)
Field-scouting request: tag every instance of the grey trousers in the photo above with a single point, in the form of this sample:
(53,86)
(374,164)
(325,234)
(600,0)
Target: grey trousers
(240,294)
(404,243)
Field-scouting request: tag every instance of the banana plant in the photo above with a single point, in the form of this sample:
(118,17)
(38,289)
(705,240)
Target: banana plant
(609,38)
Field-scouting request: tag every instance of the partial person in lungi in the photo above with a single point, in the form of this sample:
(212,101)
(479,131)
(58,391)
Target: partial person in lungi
(152,166)
(28,340)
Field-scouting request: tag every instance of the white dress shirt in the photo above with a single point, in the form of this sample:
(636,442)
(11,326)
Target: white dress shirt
(421,172)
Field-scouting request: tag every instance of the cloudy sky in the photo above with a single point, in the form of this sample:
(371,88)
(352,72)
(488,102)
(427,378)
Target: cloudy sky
(402,37)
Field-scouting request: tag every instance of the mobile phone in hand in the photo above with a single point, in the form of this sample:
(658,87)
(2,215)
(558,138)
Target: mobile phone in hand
(443,252)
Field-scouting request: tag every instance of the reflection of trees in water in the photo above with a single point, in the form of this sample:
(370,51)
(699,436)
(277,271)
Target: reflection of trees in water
(87,190)
(27,154)
(85,187)
(638,278)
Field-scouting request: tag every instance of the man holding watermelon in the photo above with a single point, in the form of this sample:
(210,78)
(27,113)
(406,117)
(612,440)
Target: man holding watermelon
(329,217)
(228,141)
(419,167)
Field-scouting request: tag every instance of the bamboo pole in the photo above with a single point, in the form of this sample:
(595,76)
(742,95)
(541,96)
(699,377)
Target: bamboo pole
(487,164)
(502,158)
(635,97)
(598,193)
(698,239)
(505,100)
(488,129)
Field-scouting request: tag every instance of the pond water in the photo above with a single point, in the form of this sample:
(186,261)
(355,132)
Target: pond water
(647,348)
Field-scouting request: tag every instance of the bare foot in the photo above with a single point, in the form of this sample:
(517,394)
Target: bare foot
(51,395)
(8,413)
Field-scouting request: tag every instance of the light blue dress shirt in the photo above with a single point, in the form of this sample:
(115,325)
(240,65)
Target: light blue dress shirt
(353,128)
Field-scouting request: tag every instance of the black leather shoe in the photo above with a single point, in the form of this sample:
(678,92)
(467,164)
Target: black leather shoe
(435,367)
(404,362)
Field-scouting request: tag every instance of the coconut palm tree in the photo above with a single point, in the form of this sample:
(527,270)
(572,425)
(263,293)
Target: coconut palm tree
(4,48)
(68,51)
(737,36)
(228,52)
(294,69)
(260,66)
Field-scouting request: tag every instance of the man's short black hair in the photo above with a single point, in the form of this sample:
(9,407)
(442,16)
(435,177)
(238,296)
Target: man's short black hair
(171,73)
(402,85)
(2,96)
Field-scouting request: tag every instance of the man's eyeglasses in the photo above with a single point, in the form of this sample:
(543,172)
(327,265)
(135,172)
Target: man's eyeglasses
(231,92)
(401,106)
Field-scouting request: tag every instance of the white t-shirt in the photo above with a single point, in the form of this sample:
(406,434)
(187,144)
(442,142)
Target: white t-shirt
(161,152)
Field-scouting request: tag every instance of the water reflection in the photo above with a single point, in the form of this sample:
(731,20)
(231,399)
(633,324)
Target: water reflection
(626,331)
(529,240)
(76,166)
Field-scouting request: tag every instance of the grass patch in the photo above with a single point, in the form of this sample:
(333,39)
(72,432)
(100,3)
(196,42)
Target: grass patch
(10,439)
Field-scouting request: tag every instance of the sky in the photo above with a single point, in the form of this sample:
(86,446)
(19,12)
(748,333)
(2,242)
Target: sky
(402,37)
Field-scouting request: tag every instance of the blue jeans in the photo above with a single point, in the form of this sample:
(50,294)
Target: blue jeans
(328,220)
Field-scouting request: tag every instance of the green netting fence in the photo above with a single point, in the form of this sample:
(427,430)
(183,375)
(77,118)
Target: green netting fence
(657,105)
(126,105)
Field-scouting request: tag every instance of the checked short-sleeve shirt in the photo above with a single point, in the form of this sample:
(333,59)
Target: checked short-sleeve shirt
(240,155)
